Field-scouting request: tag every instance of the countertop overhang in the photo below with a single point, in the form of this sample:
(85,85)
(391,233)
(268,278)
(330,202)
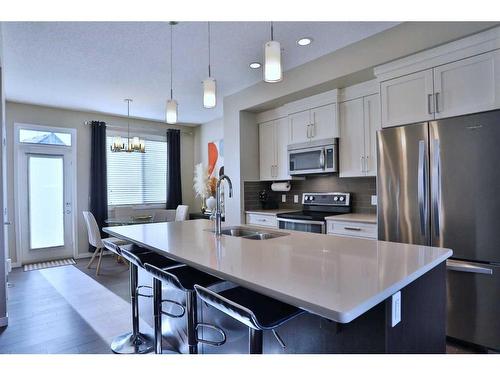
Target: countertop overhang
(338,278)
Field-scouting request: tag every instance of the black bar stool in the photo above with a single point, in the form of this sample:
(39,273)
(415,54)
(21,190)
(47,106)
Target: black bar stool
(183,278)
(256,311)
(136,342)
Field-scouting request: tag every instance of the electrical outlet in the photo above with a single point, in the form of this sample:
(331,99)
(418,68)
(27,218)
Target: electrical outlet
(295,198)
(396,308)
(374,200)
(283,198)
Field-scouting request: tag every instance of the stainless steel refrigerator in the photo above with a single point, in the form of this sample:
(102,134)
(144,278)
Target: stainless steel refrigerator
(438,184)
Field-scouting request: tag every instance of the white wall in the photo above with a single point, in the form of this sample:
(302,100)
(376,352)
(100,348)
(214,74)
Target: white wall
(32,114)
(207,132)
(3,280)
(347,66)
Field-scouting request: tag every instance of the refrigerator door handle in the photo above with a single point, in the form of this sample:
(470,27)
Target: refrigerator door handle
(421,186)
(436,186)
(460,266)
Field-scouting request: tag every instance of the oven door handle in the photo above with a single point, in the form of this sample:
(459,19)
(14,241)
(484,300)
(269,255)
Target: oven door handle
(300,221)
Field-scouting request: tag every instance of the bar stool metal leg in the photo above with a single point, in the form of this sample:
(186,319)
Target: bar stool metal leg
(157,313)
(192,321)
(133,342)
(255,341)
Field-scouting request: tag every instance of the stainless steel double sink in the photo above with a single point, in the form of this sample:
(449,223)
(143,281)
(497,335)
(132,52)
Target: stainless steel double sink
(251,234)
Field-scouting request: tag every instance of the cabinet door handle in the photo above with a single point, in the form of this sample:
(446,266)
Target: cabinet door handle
(366,164)
(429,104)
(361,162)
(437,102)
(313,130)
(357,229)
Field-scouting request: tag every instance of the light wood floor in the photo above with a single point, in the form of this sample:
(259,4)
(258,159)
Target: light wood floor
(70,310)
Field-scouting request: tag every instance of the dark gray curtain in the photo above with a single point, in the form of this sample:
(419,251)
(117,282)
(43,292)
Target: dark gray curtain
(174,191)
(98,175)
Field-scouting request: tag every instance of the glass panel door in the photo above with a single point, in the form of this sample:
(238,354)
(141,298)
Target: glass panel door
(46,201)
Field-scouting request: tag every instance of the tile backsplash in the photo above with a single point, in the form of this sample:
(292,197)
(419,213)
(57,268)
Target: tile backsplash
(361,189)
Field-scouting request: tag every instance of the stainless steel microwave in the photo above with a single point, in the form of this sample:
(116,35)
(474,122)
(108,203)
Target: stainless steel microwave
(313,157)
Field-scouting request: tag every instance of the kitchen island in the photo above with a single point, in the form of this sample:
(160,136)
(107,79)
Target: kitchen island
(345,285)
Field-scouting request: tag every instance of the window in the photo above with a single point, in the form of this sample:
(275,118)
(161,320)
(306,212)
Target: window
(137,178)
(44,137)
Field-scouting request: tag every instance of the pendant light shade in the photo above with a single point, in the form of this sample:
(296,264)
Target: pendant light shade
(273,70)
(171,111)
(209,93)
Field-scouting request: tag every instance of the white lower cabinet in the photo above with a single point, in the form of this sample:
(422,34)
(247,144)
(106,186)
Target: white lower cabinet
(351,229)
(359,122)
(261,220)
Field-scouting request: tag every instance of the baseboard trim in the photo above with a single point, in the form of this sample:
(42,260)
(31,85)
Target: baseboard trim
(4,321)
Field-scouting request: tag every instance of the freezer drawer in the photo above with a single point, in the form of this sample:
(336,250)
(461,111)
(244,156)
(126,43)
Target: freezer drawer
(473,304)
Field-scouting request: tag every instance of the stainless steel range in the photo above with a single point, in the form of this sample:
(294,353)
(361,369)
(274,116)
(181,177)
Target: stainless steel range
(315,207)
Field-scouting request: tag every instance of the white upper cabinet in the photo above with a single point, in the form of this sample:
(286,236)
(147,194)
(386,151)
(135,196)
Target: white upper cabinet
(281,144)
(273,142)
(300,126)
(407,99)
(454,79)
(267,150)
(359,122)
(468,86)
(324,122)
(352,138)
(371,109)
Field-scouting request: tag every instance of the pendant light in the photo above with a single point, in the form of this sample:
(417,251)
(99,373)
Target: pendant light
(134,144)
(171,111)
(273,70)
(209,85)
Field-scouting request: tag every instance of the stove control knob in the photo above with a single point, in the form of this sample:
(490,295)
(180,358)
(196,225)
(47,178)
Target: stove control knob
(311,198)
(341,198)
(335,198)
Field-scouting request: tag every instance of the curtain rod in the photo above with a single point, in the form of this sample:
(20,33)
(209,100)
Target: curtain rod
(120,127)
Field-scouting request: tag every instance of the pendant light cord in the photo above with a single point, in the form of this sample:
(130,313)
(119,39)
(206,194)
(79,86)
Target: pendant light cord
(209,70)
(272,31)
(171,64)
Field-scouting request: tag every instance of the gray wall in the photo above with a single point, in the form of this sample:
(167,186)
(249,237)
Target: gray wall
(32,114)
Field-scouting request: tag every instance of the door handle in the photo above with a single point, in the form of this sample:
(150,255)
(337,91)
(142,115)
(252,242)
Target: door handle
(421,186)
(429,101)
(437,102)
(366,163)
(459,266)
(322,159)
(361,159)
(436,186)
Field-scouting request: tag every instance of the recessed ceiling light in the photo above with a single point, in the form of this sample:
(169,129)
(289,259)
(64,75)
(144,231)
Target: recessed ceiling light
(304,41)
(255,65)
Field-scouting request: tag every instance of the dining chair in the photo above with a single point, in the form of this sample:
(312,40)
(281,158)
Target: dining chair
(181,213)
(111,243)
(164,215)
(123,212)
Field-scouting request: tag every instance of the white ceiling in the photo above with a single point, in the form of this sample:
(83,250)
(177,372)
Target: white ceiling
(93,66)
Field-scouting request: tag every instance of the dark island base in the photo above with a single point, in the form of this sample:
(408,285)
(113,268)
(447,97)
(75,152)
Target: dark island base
(422,328)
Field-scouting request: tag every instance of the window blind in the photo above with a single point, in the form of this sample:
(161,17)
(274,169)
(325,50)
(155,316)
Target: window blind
(137,178)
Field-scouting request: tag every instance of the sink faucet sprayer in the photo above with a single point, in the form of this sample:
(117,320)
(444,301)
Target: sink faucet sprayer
(218,213)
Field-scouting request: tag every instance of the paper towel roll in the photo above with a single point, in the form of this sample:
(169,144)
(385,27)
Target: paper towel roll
(281,186)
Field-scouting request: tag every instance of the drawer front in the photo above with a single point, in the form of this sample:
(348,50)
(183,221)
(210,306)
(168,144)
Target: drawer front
(263,220)
(352,229)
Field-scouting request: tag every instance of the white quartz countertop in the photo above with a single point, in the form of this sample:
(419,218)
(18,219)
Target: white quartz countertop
(270,212)
(360,218)
(339,278)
